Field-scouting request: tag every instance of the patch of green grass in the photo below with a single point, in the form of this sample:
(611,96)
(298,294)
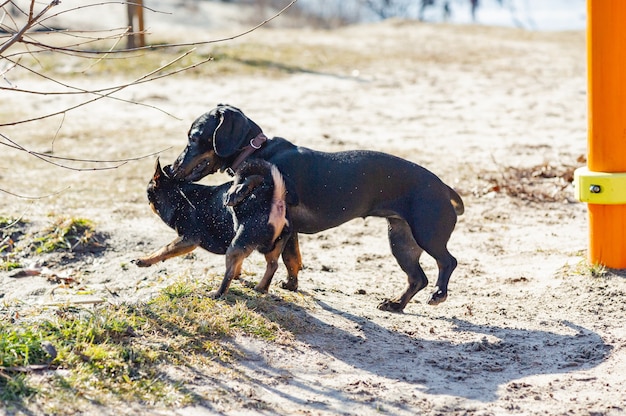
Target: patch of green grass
(6,221)
(11,229)
(8,224)
(178,289)
(584,268)
(8,265)
(588,269)
(597,270)
(64,234)
(18,347)
(14,388)
(68,234)
(120,353)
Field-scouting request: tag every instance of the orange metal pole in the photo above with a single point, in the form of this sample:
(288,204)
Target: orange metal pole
(606,56)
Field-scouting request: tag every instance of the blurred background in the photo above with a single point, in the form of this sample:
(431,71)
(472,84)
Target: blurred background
(527,14)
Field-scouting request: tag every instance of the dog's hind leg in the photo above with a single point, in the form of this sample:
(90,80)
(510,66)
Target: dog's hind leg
(433,237)
(446,264)
(234,259)
(293,262)
(407,252)
(272,265)
(445,271)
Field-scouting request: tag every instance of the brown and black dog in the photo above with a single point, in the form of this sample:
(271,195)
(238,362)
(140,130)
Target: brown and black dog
(256,218)
(334,188)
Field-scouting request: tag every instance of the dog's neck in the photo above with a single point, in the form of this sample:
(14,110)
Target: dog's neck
(255,144)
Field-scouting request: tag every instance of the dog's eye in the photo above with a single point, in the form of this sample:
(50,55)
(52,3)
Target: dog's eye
(194,136)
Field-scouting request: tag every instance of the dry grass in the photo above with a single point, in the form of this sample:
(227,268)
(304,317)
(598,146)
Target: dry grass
(546,182)
(119,353)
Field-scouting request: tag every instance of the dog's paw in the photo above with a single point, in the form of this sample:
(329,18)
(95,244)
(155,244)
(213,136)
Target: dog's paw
(389,305)
(290,284)
(260,289)
(141,263)
(216,294)
(438,297)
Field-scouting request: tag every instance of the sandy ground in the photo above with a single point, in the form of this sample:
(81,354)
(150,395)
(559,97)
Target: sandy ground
(526,329)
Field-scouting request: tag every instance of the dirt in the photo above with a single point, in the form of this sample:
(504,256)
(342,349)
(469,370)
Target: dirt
(499,114)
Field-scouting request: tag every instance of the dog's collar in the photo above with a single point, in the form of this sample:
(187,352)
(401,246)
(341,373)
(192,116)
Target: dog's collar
(255,144)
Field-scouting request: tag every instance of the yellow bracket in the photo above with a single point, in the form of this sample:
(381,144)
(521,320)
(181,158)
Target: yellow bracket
(601,188)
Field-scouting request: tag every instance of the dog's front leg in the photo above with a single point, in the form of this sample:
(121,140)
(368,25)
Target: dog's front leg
(293,262)
(178,247)
(234,259)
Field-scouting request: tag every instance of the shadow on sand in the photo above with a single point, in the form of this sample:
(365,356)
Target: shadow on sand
(491,357)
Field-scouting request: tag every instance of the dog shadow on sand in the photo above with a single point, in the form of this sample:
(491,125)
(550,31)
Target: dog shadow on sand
(476,369)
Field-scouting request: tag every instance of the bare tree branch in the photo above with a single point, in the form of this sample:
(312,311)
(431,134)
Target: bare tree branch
(82,91)
(167,45)
(22,34)
(31,21)
(144,78)
(104,3)
(108,92)
(32,197)
(45,157)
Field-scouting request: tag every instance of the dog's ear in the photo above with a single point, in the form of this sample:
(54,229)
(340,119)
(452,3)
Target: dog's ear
(233,131)
(239,192)
(158,171)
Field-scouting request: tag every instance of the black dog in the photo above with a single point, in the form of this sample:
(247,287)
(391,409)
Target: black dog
(258,202)
(336,187)
(255,219)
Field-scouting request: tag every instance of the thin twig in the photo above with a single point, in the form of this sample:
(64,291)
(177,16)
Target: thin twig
(75,302)
(143,78)
(30,38)
(14,145)
(104,3)
(57,133)
(34,197)
(15,221)
(172,45)
(45,158)
(81,91)
(105,56)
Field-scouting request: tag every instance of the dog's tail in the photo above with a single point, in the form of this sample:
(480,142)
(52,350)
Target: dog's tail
(278,211)
(457,202)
